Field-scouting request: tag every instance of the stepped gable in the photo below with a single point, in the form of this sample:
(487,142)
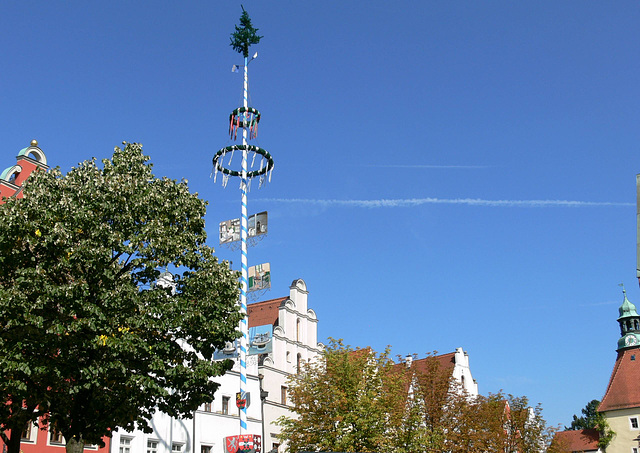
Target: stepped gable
(623,390)
(266,312)
(579,440)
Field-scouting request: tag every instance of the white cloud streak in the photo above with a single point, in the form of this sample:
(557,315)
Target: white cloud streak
(431,166)
(411,202)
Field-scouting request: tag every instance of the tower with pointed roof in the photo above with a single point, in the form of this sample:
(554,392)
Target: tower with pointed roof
(28,160)
(629,321)
(621,402)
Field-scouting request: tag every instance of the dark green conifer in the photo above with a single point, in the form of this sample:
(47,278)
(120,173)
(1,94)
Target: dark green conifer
(245,35)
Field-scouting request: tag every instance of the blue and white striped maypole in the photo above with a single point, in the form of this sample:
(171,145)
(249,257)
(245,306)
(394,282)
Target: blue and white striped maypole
(244,324)
(247,119)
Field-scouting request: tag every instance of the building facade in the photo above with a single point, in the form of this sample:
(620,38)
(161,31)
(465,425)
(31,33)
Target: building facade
(295,341)
(28,160)
(621,402)
(283,335)
(455,363)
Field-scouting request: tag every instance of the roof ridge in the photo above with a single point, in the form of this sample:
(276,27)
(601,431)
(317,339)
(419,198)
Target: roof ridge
(616,366)
(253,304)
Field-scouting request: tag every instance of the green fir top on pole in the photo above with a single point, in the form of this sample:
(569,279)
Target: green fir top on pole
(245,35)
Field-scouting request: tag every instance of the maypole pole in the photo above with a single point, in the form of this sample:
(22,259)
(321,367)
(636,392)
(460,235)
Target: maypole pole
(245,271)
(245,118)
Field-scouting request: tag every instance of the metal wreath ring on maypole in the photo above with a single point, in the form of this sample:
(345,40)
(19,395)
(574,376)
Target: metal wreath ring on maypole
(217,160)
(244,118)
(236,114)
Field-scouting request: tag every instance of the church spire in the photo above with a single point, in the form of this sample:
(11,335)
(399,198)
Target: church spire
(629,321)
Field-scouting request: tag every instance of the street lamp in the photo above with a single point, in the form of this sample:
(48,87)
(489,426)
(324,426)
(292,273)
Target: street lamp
(263,396)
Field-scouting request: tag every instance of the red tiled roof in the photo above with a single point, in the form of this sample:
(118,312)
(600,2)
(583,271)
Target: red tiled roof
(579,440)
(446,361)
(263,313)
(623,390)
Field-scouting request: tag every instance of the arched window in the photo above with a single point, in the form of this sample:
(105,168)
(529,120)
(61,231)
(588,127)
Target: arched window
(298,363)
(298,330)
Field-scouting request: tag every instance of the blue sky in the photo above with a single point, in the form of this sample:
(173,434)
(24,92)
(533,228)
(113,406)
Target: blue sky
(448,174)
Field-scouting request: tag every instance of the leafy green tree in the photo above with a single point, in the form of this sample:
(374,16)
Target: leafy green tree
(86,333)
(342,402)
(589,417)
(526,431)
(436,396)
(592,419)
(360,401)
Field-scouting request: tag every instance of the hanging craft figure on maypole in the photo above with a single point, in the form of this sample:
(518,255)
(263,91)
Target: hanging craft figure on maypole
(246,119)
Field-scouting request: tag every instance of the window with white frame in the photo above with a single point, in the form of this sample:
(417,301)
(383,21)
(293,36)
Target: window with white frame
(177,447)
(152,446)
(225,405)
(633,421)
(29,433)
(125,444)
(634,450)
(205,449)
(55,436)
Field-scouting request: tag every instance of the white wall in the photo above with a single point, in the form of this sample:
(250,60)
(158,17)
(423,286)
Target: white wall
(296,334)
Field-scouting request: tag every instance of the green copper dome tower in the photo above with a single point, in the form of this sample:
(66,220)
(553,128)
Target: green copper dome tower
(629,321)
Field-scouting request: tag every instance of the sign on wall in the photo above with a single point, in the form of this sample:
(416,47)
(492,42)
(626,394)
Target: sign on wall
(244,443)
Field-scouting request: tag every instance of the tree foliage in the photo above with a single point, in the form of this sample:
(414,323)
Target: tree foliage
(85,332)
(245,35)
(360,401)
(589,418)
(592,419)
(342,401)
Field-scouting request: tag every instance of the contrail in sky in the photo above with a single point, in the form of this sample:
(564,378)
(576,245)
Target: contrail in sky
(409,202)
(430,166)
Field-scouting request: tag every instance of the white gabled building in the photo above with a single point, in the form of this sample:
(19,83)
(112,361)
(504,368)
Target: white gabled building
(294,340)
(456,363)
